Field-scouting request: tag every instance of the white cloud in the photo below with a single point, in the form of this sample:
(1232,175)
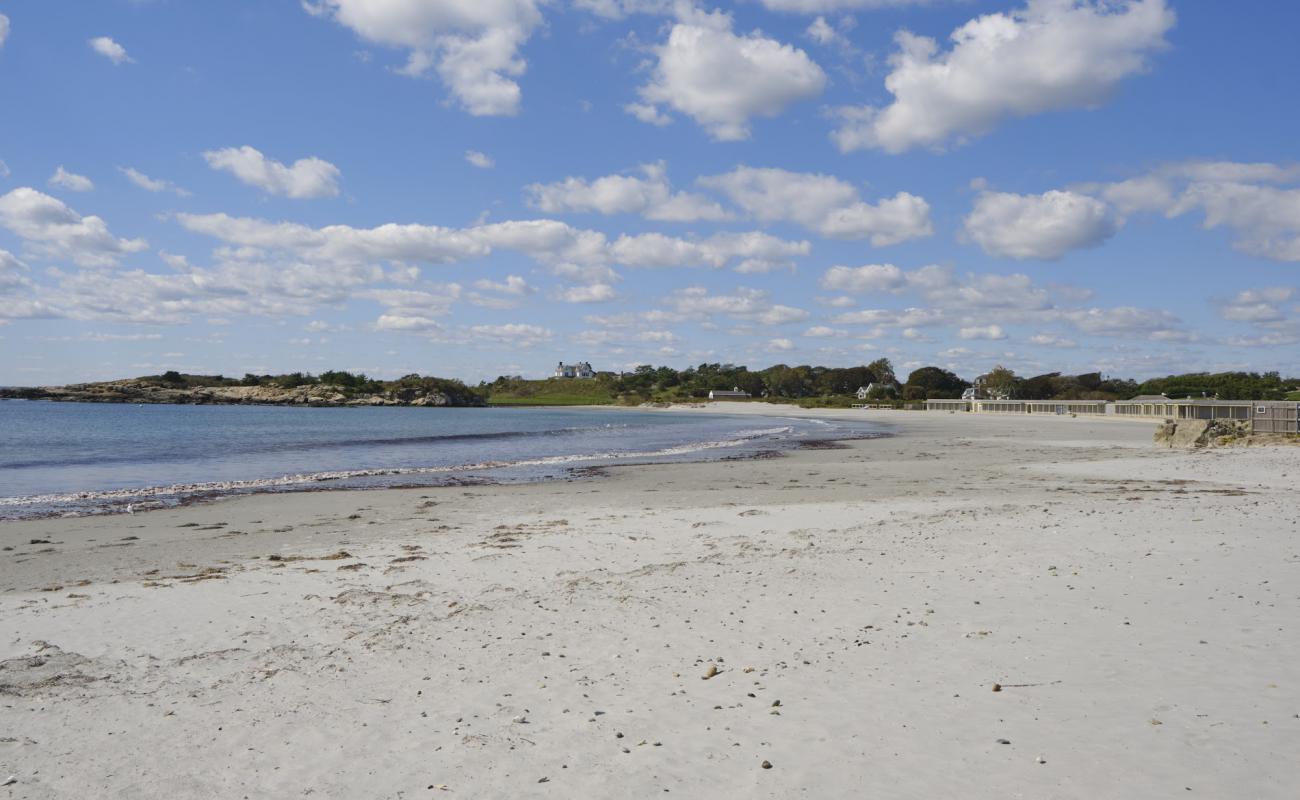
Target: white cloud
(824,6)
(592,293)
(1050,55)
(4,29)
(71,181)
(1044,226)
(722,80)
(518,334)
(53,230)
(480,160)
(756,251)
(650,195)
(754,305)
(823,33)
(1250,199)
(1258,306)
(651,115)
(823,203)
(111,50)
(1128,321)
(513,285)
(824,332)
(305,178)
(1051,340)
(779,345)
(151,184)
(982,332)
(473,45)
(13,273)
(867,278)
(1266,219)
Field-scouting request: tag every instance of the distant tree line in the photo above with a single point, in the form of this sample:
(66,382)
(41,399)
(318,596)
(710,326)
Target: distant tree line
(346,383)
(809,385)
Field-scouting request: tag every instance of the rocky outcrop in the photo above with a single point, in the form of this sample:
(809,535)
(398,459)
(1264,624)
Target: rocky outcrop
(1202,432)
(310,395)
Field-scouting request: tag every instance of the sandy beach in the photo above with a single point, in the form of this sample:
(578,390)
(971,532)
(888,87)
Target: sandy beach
(831,623)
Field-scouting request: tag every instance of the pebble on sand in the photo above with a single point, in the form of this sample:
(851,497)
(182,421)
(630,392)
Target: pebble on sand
(766,765)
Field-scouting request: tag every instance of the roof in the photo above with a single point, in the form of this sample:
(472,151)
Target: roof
(1148,398)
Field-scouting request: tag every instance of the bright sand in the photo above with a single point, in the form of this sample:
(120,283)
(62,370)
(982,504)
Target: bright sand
(1139,607)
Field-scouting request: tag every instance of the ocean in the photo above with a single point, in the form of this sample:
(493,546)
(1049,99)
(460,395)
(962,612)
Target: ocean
(86,458)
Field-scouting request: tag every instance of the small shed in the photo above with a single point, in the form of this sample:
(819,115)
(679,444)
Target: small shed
(1275,416)
(723,394)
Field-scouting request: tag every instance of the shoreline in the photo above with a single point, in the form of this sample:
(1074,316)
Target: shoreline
(103,502)
(1135,604)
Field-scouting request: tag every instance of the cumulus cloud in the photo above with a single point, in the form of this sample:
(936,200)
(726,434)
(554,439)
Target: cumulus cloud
(111,50)
(473,46)
(863,279)
(591,293)
(755,251)
(779,345)
(1051,340)
(942,287)
(4,29)
(53,230)
(1128,321)
(1050,55)
(580,256)
(62,179)
(824,332)
(13,273)
(514,333)
(480,160)
(754,305)
(648,194)
(982,332)
(1258,306)
(824,6)
(1258,202)
(1265,219)
(722,80)
(305,178)
(823,203)
(151,184)
(1044,226)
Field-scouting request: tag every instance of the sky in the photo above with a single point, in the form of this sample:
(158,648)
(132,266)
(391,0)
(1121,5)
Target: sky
(472,188)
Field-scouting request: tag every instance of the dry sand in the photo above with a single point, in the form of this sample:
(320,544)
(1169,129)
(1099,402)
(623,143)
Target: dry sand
(1139,607)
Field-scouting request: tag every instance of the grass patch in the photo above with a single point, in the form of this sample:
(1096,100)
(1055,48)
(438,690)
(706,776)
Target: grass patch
(552,392)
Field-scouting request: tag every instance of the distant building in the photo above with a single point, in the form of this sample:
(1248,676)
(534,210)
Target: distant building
(979,390)
(880,389)
(580,369)
(722,394)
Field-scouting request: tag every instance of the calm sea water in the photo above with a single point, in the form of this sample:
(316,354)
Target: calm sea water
(80,458)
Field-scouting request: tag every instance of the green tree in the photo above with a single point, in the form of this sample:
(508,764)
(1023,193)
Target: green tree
(933,383)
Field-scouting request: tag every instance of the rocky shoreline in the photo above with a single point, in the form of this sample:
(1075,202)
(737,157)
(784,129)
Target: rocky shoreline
(317,395)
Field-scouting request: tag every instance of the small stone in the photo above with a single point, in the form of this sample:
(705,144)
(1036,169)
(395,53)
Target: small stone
(519,720)
(776,703)
(997,687)
(1041,760)
(543,780)
(618,735)
(1004,741)
(710,672)
(766,765)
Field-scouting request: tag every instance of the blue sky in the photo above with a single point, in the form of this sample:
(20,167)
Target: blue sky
(470,188)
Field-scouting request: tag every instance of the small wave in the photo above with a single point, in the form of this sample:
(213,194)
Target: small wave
(267,484)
